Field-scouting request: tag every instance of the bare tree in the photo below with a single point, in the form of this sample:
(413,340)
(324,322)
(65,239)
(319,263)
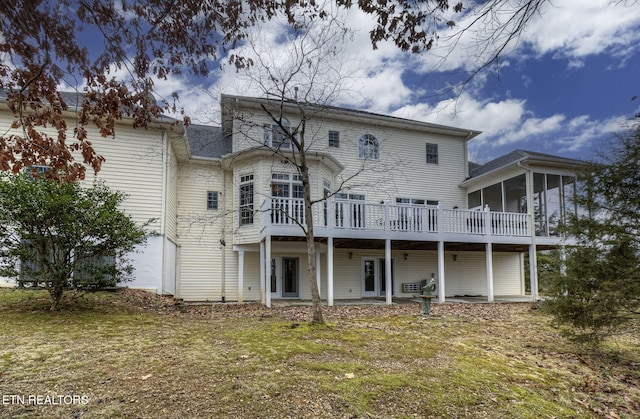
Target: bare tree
(302,82)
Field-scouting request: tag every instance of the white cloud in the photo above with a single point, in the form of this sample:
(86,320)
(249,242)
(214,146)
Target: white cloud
(579,28)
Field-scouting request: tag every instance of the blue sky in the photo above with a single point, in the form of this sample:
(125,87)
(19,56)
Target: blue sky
(564,87)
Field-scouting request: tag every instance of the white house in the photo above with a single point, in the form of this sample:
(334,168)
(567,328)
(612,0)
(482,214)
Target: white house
(403,203)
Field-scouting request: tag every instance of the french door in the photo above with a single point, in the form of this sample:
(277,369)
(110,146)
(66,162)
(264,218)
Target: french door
(374,277)
(285,277)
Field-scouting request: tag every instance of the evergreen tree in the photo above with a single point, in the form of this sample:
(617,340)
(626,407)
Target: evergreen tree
(599,294)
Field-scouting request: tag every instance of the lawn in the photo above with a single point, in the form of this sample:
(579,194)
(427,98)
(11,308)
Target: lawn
(133,355)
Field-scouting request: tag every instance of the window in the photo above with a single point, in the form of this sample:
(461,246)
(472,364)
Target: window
(432,153)
(474,200)
(368,147)
(246,199)
(212,200)
(275,137)
(334,139)
(285,185)
(40,170)
(350,210)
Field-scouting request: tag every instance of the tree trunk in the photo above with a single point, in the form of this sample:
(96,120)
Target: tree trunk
(311,246)
(56,291)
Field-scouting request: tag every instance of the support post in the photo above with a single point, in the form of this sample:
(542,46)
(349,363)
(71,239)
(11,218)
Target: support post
(533,262)
(263,276)
(489,252)
(533,272)
(240,275)
(330,271)
(318,275)
(387,274)
(441,291)
(267,264)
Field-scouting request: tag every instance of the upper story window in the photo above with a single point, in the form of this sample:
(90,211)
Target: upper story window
(334,139)
(278,137)
(285,185)
(246,199)
(432,153)
(212,200)
(369,147)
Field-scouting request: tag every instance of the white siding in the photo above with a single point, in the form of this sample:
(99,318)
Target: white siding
(199,233)
(134,166)
(402,170)
(468,274)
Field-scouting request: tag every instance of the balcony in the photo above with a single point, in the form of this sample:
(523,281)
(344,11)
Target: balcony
(359,219)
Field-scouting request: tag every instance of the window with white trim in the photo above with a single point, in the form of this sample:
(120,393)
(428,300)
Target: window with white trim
(277,138)
(369,147)
(350,210)
(334,139)
(212,200)
(285,185)
(432,153)
(246,199)
(414,214)
(417,201)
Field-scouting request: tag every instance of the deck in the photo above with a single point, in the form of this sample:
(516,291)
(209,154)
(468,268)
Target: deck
(364,220)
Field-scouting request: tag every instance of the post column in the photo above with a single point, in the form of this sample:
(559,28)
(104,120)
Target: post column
(441,291)
(267,266)
(263,277)
(489,252)
(240,275)
(387,274)
(318,273)
(330,271)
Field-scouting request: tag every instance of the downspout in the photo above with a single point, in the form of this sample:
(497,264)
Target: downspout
(223,243)
(163,211)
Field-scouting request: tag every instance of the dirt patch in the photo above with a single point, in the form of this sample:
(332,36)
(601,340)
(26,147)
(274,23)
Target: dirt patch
(470,311)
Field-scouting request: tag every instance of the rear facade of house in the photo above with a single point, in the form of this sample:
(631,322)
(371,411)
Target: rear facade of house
(397,202)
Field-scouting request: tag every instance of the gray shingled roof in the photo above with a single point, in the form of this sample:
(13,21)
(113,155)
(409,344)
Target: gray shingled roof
(207,141)
(476,170)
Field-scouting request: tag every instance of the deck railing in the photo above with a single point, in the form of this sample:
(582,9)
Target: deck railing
(359,215)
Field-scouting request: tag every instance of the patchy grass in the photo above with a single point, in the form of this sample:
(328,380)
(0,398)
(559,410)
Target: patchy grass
(131,354)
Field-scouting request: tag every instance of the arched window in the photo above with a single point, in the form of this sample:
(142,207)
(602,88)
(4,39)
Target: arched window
(368,147)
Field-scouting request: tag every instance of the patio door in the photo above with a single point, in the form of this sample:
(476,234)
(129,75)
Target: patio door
(374,277)
(285,277)
(290,278)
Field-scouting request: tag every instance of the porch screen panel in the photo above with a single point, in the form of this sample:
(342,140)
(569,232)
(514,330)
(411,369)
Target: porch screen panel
(569,195)
(474,200)
(493,197)
(539,204)
(553,204)
(515,194)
